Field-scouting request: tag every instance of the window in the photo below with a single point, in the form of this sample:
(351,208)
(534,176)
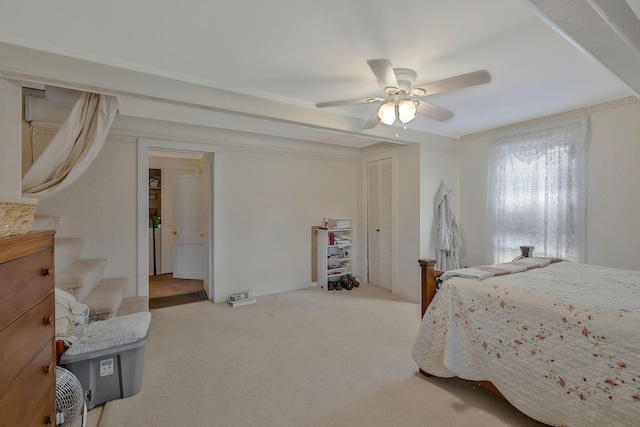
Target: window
(537,191)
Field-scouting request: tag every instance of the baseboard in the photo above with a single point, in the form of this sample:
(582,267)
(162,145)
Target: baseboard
(264,292)
(407,297)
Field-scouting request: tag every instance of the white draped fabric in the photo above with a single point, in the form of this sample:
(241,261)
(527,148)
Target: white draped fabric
(448,232)
(74,146)
(537,190)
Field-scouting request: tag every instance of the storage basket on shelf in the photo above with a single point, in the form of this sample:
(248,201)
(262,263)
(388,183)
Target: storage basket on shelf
(16,215)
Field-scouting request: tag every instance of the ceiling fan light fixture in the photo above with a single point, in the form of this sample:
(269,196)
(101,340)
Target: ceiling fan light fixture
(387,113)
(406,111)
(402,100)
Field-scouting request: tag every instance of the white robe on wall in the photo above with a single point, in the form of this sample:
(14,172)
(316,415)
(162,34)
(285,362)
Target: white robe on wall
(448,232)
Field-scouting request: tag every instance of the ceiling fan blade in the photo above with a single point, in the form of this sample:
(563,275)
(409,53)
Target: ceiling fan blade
(349,102)
(433,111)
(373,121)
(459,82)
(383,70)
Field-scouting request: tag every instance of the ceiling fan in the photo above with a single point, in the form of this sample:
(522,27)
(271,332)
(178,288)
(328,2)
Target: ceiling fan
(402,99)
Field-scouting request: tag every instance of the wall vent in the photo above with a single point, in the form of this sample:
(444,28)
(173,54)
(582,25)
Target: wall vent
(33,93)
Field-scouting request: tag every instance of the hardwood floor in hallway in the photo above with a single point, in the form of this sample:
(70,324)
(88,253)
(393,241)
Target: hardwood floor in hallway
(165,291)
(164,285)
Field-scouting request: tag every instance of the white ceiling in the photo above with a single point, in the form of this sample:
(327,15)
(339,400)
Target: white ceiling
(307,51)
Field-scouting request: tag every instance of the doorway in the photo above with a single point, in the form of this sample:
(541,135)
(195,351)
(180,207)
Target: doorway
(156,218)
(177,202)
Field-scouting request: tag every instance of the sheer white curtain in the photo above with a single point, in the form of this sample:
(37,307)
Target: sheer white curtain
(537,190)
(74,146)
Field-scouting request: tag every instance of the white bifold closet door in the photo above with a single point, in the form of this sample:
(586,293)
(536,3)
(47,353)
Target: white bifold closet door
(379,222)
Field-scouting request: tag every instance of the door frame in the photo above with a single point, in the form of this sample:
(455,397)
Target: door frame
(214,261)
(393,155)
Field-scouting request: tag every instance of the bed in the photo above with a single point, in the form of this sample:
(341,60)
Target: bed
(560,342)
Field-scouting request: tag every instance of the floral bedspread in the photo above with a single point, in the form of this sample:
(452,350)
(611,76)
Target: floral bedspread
(561,343)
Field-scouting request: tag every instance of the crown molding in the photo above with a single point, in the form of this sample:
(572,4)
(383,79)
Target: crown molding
(115,135)
(618,103)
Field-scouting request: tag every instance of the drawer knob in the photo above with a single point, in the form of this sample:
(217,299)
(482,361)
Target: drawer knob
(47,320)
(46,271)
(48,420)
(49,369)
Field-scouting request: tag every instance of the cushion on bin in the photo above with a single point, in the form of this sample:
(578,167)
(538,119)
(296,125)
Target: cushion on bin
(71,315)
(110,333)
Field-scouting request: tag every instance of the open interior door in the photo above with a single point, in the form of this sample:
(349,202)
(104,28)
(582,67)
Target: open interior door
(189,228)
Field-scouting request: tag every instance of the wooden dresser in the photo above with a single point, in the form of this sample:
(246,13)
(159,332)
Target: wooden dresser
(27,330)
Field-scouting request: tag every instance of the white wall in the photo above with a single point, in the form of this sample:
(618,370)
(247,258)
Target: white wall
(473,163)
(10,138)
(613,235)
(270,204)
(274,190)
(407,278)
(436,166)
(613,206)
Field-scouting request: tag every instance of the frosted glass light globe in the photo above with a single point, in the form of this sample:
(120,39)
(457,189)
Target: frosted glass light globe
(387,113)
(406,111)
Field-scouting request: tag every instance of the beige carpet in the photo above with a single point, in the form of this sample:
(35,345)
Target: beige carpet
(302,358)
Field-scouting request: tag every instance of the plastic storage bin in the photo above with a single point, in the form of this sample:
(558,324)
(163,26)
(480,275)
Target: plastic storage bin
(108,374)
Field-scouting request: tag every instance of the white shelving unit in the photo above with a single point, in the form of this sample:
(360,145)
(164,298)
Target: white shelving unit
(335,251)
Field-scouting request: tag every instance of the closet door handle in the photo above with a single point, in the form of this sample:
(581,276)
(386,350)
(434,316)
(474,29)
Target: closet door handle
(47,320)
(48,369)
(46,271)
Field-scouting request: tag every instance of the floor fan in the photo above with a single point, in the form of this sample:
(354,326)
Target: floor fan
(70,399)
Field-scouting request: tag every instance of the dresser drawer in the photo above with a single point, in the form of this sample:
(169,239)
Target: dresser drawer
(23,282)
(23,340)
(32,387)
(45,415)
